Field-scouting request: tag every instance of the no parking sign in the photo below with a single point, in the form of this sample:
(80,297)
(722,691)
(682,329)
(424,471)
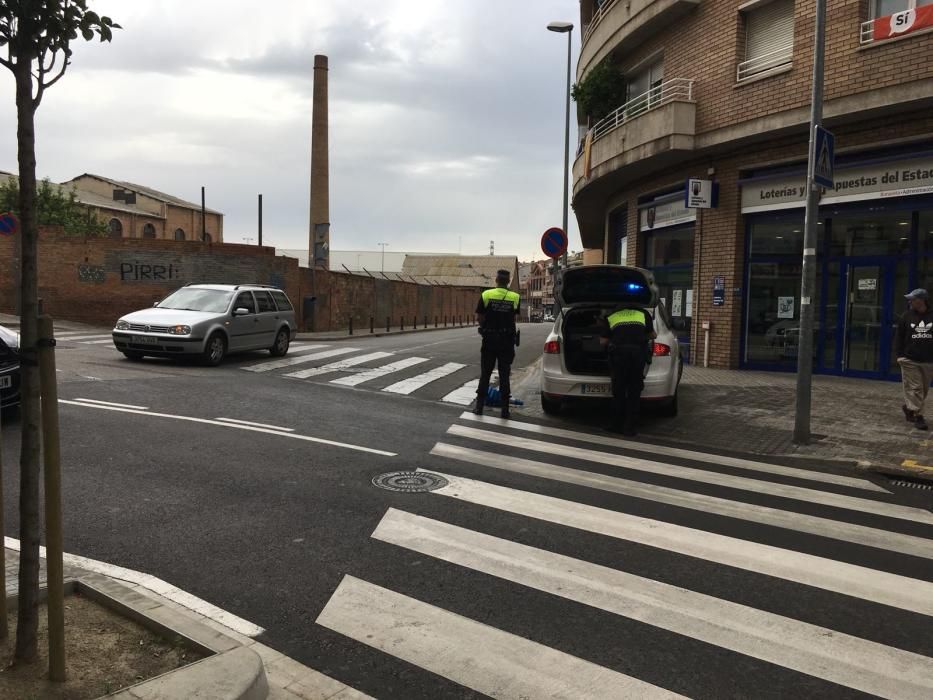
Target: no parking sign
(9,224)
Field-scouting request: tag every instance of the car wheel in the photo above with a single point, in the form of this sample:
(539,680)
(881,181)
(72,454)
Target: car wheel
(551,406)
(134,356)
(282,341)
(670,407)
(215,350)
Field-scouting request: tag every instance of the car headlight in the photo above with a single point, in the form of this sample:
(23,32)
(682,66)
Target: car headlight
(180,330)
(123,326)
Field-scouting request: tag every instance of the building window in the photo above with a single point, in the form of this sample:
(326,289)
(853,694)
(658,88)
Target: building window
(149,231)
(644,88)
(179,234)
(884,8)
(769,39)
(116,228)
(207,237)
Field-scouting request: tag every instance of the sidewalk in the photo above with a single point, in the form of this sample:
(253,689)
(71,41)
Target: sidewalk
(238,666)
(853,420)
(359,333)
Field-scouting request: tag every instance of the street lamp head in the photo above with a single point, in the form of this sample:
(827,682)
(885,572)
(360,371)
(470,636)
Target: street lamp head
(560,27)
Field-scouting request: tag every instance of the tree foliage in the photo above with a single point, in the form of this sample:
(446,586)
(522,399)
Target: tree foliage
(41,32)
(56,206)
(601,92)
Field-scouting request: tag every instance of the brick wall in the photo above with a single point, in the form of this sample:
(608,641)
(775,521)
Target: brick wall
(96,280)
(707,44)
(340,297)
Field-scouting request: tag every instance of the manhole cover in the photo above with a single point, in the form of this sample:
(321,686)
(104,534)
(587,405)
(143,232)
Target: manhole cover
(410,482)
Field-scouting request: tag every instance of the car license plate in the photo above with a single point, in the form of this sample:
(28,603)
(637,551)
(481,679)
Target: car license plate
(6,382)
(602,389)
(143,340)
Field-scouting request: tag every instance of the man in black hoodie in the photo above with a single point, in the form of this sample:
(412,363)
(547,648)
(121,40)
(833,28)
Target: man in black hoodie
(913,347)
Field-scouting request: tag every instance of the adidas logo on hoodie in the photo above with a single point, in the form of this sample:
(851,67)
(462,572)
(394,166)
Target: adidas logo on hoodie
(922,331)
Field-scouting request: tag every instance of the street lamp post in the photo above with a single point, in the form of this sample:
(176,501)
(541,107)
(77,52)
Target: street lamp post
(383,245)
(565,28)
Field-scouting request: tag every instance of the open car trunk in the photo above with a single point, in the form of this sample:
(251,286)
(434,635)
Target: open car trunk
(583,353)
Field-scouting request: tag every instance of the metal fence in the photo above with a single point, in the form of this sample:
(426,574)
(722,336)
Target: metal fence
(765,63)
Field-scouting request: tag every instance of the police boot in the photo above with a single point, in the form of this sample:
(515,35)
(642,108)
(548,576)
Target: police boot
(478,407)
(505,407)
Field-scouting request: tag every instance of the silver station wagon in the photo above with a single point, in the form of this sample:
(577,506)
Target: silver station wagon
(210,321)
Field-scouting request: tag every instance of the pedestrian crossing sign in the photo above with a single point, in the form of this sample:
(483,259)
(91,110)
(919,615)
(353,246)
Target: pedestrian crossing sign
(825,155)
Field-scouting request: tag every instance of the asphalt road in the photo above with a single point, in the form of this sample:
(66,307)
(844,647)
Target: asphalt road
(572,564)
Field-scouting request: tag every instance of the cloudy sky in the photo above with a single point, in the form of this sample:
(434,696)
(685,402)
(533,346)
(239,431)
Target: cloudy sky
(446,118)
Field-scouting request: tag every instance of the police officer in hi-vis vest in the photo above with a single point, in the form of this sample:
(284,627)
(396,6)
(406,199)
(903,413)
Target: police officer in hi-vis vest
(627,333)
(496,313)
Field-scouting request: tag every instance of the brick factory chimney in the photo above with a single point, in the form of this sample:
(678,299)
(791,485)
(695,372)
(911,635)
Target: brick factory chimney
(319,233)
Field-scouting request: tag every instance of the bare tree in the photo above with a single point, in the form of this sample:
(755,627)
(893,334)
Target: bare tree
(37,35)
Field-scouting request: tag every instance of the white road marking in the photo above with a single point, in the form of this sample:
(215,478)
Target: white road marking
(407,386)
(736,482)
(817,651)
(237,426)
(257,425)
(270,365)
(111,403)
(368,375)
(339,365)
(86,337)
(839,577)
(97,342)
(809,475)
(464,395)
(70,334)
(480,657)
(156,585)
(811,524)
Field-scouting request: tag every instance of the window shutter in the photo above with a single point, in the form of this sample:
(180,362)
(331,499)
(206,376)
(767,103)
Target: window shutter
(769,29)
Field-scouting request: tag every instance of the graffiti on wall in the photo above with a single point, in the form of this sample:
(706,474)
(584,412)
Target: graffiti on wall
(91,273)
(146,272)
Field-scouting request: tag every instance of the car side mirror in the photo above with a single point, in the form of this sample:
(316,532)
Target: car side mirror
(679,324)
(241,311)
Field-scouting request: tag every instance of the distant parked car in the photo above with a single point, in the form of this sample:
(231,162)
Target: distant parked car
(576,365)
(9,368)
(210,321)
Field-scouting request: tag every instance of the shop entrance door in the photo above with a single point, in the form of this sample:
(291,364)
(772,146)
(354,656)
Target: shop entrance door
(867,288)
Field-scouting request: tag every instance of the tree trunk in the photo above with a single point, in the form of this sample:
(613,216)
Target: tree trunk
(28,615)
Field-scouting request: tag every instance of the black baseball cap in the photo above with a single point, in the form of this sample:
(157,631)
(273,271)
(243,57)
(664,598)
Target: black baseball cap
(918,294)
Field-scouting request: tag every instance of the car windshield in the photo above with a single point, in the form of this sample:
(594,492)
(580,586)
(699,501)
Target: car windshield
(188,299)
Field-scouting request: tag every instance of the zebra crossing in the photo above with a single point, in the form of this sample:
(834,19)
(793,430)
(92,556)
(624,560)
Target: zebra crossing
(384,371)
(767,537)
(85,337)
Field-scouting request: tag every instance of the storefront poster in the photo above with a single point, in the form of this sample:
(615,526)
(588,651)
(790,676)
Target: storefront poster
(719,291)
(688,312)
(867,285)
(671,212)
(677,307)
(786,307)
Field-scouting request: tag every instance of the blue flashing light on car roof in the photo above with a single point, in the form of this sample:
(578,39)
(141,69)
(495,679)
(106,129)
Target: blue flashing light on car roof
(635,287)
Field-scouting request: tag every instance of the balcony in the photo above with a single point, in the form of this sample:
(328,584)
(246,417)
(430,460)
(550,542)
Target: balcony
(619,27)
(766,64)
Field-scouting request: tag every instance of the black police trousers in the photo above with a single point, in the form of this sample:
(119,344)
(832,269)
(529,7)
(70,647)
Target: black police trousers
(498,349)
(627,367)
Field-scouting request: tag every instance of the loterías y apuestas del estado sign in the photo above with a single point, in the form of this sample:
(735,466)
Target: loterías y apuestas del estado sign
(875,181)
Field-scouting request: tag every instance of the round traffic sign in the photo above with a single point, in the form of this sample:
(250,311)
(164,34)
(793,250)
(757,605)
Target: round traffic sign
(554,242)
(9,224)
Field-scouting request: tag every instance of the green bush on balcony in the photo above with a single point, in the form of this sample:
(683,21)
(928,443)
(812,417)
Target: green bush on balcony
(601,92)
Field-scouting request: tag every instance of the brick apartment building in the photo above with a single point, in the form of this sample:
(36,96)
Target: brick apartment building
(720,90)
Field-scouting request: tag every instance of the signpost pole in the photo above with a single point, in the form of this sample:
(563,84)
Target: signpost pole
(808,282)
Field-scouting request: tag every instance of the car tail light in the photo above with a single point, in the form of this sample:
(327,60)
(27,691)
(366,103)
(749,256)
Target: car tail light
(661,350)
(552,347)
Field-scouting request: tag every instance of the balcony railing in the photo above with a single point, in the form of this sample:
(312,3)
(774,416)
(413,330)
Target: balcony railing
(673,90)
(867,33)
(598,16)
(765,63)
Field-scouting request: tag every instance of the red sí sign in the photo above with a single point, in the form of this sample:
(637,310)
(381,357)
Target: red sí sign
(901,23)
